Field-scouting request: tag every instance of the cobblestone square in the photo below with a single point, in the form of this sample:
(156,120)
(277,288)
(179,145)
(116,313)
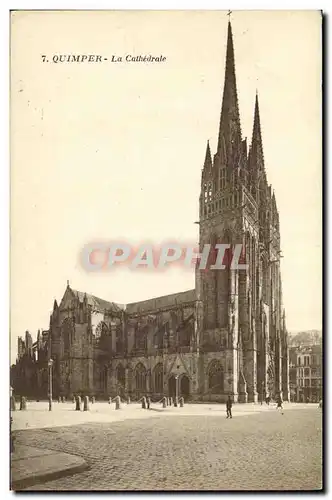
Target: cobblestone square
(257,450)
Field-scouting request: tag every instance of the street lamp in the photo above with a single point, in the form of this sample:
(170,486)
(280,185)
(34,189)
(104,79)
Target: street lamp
(50,364)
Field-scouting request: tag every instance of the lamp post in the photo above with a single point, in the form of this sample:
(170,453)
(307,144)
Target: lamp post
(50,364)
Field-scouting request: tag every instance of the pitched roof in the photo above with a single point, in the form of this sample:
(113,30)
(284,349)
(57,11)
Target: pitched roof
(98,303)
(164,301)
(160,302)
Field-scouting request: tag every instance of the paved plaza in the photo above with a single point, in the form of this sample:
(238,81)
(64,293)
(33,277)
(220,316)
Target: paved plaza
(190,448)
(64,414)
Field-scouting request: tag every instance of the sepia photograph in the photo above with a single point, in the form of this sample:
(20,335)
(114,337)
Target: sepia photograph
(166,250)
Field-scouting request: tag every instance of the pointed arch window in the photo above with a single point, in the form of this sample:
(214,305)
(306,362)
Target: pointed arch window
(185,333)
(265,281)
(236,177)
(101,330)
(205,190)
(67,330)
(210,191)
(158,339)
(141,337)
(118,339)
(140,377)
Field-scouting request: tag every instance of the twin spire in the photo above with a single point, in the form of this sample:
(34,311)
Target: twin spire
(230,137)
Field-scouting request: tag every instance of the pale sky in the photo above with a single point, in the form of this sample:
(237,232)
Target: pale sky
(109,151)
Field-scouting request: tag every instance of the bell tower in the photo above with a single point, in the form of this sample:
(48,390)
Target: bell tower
(220,202)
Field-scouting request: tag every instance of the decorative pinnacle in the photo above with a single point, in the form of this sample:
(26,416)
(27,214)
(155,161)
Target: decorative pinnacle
(208,159)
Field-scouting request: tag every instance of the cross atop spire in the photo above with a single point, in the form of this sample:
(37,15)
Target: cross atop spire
(229,14)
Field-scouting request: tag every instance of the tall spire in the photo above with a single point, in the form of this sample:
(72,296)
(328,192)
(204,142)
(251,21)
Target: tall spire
(256,156)
(274,203)
(207,168)
(230,127)
(208,159)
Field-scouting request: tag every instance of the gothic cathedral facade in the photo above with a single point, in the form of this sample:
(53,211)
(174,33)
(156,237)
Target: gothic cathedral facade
(225,337)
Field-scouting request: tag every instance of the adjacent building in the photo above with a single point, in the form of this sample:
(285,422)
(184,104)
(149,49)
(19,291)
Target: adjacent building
(29,375)
(306,373)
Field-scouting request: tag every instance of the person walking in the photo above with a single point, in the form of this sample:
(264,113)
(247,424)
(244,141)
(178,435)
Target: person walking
(279,405)
(229,407)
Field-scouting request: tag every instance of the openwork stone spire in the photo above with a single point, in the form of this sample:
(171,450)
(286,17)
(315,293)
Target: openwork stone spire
(230,128)
(208,160)
(207,178)
(256,156)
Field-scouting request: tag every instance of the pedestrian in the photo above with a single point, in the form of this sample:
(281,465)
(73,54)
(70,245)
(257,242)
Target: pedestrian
(320,406)
(229,407)
(279,405)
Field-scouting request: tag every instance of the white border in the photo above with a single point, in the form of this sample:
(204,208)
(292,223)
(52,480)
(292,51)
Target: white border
(7,5)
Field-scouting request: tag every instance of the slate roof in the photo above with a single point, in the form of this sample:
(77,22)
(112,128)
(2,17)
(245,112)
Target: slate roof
(101,305)
(160,302)
(97,303)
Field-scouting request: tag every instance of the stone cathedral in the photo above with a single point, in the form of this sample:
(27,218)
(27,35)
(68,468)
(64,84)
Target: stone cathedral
(225,337)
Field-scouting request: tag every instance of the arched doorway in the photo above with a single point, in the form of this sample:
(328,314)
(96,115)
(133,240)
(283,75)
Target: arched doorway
(172,387)
(184,387)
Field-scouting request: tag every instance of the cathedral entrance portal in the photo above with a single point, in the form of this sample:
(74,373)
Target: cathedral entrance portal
(172,387)
(184,387)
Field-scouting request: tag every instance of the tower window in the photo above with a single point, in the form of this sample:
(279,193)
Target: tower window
(223,178)
(236,178)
